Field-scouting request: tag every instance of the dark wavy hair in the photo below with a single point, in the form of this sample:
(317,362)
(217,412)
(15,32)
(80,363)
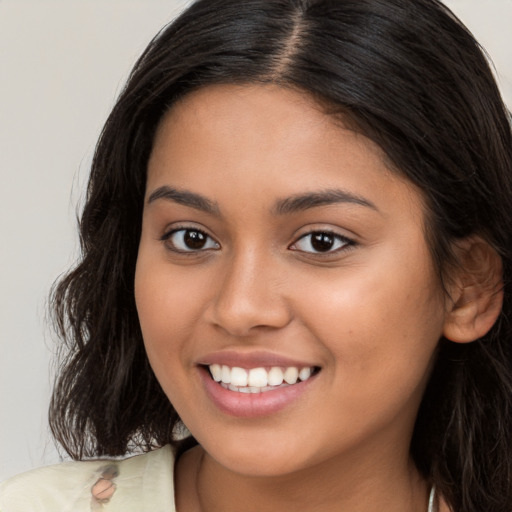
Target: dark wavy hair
(410,77)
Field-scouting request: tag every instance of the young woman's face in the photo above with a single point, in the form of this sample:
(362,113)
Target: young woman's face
(275,242)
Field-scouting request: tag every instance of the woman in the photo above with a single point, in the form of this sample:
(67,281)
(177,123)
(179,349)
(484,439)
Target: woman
(296,243)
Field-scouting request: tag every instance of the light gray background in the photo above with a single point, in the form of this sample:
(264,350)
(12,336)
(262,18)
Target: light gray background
(62,63)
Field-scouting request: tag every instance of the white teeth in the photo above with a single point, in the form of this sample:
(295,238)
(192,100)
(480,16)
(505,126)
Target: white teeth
(216,372)
(275,376)
(248,389)
(304,374)
(238,377)
(259,379)
(226,374)
(291,375)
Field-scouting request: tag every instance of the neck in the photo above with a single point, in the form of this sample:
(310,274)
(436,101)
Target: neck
(354,485)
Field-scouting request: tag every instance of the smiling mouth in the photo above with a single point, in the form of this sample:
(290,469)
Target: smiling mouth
(259,380)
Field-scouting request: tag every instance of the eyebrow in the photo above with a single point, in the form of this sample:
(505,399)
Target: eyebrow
(289,205)
(308,200)
(185,198)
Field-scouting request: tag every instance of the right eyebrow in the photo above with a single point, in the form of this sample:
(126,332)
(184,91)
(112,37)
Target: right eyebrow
(186,198)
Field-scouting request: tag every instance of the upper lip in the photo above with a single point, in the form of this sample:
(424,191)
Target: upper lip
(251,360)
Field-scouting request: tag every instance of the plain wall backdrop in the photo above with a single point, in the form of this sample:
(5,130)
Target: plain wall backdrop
(62,64)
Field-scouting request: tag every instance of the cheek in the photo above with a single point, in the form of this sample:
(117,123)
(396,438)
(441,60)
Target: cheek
(381,354)
(380,325)
(162,308)
(166,314)
(169,299)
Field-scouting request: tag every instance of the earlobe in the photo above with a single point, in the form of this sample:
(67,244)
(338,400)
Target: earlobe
(476,292)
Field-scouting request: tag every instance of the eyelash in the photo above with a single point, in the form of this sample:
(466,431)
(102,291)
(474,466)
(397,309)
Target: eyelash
(336,238)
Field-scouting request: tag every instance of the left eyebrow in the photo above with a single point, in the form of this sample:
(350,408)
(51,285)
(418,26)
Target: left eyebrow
(301,202)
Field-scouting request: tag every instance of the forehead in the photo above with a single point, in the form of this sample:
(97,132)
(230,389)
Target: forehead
(258,117)
(265,137)
(221,107)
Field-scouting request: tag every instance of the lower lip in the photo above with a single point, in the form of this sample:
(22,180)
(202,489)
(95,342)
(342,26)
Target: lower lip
(252,405)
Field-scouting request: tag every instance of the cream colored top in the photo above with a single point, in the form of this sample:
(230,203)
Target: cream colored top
(143,483)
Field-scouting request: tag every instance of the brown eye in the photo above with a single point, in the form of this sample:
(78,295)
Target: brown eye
(194,239)
(318,242)
(190,240)
(322,242)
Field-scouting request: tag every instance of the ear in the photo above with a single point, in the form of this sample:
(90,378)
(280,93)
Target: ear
(476,291)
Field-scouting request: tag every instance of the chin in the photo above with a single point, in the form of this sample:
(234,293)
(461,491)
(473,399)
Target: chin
(254,457)
(257,467)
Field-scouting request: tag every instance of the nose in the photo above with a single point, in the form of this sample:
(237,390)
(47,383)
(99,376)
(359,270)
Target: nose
(250,296)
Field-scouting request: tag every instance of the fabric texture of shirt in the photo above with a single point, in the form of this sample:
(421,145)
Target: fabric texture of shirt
(143,483)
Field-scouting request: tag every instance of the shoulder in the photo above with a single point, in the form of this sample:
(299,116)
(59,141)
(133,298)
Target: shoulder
(143,482)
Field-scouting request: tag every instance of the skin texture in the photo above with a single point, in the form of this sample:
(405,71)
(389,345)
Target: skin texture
(368,314)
